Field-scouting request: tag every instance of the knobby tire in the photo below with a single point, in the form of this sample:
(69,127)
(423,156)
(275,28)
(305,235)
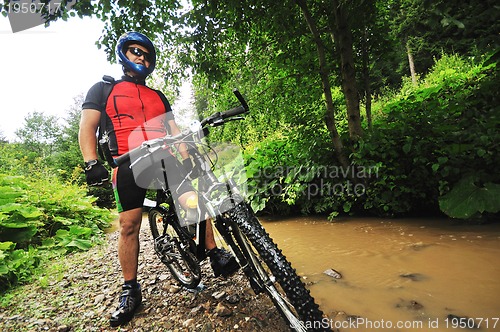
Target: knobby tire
(311,317)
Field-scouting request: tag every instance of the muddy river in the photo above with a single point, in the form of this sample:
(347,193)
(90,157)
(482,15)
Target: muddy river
(397,275)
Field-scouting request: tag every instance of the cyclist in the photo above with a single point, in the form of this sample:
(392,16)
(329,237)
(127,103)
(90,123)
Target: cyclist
(132,104)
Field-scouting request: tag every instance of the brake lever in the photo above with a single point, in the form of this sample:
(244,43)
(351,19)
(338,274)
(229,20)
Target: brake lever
(221,121)
(217,122)
(235,118)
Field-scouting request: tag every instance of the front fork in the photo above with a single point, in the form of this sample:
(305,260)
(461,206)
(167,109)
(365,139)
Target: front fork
(239,246)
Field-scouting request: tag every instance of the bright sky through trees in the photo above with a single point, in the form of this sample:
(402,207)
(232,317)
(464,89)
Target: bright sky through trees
(44,68)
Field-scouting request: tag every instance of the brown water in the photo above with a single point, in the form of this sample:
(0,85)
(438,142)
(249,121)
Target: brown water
(397,275)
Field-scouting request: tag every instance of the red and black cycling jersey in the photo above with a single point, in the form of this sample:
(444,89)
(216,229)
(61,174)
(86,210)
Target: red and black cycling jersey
(134,113)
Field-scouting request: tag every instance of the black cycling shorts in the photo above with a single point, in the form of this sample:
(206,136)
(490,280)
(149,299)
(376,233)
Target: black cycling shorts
(129,195)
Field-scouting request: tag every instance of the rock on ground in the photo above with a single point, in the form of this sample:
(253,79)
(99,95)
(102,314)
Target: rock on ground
(83,290)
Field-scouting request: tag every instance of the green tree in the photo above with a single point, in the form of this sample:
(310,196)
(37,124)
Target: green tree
(39,133)
(67,158)
(66,161)
(427,29)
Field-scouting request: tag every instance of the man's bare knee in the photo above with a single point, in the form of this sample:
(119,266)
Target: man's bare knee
(130,224)
(129,229)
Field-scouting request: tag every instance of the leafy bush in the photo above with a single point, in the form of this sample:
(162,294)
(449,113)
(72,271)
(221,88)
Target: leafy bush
(40,218)
(287,174)
(264,184)
(432,138)
(16,265)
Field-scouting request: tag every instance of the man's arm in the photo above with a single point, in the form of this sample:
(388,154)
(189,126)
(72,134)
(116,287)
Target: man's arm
(87,134)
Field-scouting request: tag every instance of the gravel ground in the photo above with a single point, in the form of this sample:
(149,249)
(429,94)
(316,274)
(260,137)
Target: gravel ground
(80,292)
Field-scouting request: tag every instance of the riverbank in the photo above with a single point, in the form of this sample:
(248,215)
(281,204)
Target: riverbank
(79,292)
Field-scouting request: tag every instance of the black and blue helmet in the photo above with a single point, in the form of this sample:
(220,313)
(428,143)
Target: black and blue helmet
(133,37)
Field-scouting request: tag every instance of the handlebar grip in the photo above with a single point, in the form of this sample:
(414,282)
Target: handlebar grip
(234,111)
(122,159)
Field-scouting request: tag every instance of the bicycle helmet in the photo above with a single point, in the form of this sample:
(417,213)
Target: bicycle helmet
(133,37)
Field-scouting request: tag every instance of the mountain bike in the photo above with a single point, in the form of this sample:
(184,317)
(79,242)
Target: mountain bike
(180,244)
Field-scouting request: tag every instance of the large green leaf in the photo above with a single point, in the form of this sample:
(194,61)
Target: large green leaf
(27,212)
(80,231)
(7,245)
(4,269)
(74,237)
(468,198)
(18,235)
(80,244)
(9,194)
(30,212)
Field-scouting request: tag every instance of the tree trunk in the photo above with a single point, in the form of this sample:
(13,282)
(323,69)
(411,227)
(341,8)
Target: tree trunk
(366,79)
(325,81)
(368,101)
(344,44)
(412,64)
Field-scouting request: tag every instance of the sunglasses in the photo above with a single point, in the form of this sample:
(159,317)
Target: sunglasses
(138,53)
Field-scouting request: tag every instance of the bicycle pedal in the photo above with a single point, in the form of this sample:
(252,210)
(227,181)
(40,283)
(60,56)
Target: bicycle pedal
(166,260)
(162,245)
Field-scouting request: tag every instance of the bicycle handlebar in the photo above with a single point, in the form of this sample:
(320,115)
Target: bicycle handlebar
(214,120)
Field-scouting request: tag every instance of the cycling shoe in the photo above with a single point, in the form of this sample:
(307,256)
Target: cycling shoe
(130,300)
(222,262)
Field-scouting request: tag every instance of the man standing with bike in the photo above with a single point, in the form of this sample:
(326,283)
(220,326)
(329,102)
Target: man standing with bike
(130,105)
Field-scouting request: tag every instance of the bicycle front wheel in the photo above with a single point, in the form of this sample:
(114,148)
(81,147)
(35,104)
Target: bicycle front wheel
(274,274)
(172,245)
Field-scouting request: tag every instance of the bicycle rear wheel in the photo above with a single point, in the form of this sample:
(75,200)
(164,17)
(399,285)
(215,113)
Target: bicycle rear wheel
(172,245)
(274,274)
